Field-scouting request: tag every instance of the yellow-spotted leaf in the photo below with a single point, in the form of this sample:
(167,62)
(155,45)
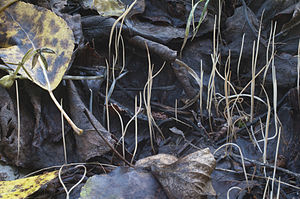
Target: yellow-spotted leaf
(105,7)
(24,26)
(24,187)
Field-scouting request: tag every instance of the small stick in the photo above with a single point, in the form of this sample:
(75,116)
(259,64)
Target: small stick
(110,146)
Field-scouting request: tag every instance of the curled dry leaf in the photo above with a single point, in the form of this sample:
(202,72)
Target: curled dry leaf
(187,177)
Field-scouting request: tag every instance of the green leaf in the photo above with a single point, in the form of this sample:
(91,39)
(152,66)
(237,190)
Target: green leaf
(47,50)
(27,56)
(34,60)
(7,81)
(44,61)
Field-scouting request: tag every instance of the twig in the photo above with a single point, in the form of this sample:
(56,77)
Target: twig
(110,146)
(256,176)
(297,175)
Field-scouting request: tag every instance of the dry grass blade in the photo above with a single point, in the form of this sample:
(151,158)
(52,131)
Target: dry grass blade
(19,119)
(275,109)
(275,162)
(211,82)
(137,110)
(106,110)
(147,101)
(268,61)
(242,157)
(278,189)
(298,72)
(104,139)
(195,76)
(70,164)
(227,93)
(122,129)
(231,188)
(254,63)
(266,188)
(252,84)
(240,58)
(63,134)
(188,24)
(240,95)
(115,59)
(121,18)
(63,184)
(201,91)
(267,131)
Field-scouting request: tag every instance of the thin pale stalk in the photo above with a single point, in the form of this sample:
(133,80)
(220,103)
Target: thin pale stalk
(19,119)
(240,58)
(252,84)
(298,72)
(242,158)
(137,111)
(267,131)
(63,133)
(74,127)
(275,162)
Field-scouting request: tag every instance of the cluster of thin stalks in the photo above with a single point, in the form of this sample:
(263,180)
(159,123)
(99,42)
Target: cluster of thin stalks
(232,99)
(233,102)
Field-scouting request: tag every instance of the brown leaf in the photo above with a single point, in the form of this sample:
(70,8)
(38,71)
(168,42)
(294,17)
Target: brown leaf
(89,144)
(187,177)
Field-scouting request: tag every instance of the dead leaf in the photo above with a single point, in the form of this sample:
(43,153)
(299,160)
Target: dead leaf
(35,29)
(187,177)
(89,144)
(159,159)
(105,7)
(123,183)
(24,187)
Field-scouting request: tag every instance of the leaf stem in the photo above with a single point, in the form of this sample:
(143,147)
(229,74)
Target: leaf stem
(74,127)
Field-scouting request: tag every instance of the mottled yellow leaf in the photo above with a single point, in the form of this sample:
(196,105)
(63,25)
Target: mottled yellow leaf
(106,7)
(25,26)
(24,187)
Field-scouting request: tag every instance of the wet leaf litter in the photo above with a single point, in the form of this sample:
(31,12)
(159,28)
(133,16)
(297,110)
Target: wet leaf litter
(215,117)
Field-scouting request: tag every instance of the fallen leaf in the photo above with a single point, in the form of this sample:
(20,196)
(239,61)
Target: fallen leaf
(36,28)
(90,144)
(123,183)
(105,7)
(24,187)
(187,177)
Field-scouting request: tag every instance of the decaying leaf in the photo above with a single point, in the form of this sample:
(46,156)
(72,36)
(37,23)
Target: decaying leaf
(123,183)
(24,187)
(158,160)
(37,28)
(89,144)
(187,177)
(105,7)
